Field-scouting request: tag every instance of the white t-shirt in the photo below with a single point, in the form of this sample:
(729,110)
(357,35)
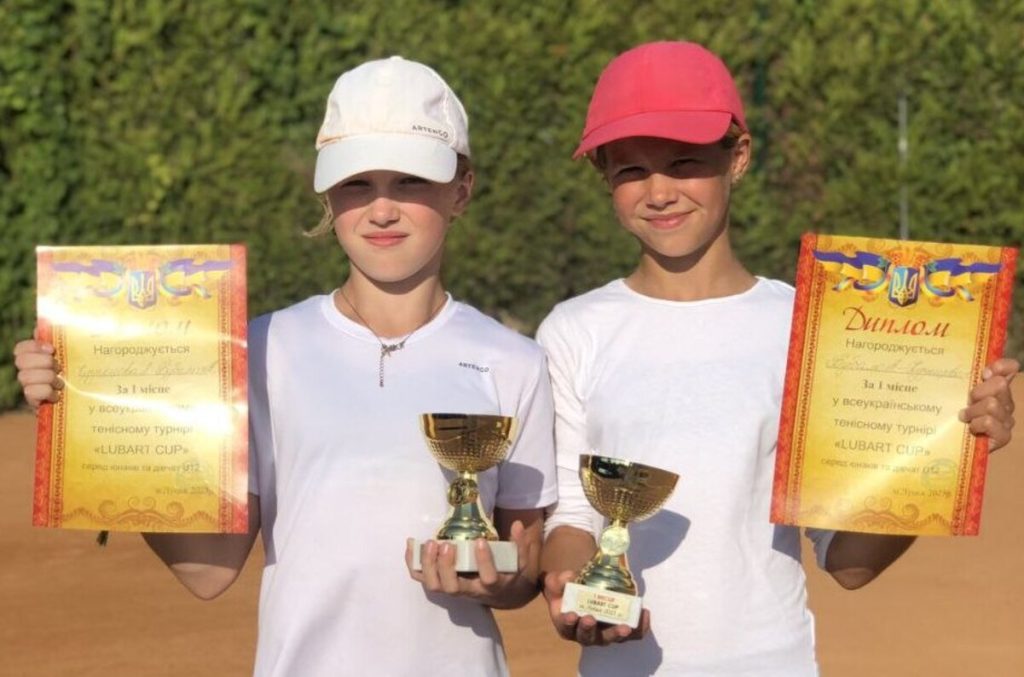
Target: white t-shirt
(695,388)
(344,476)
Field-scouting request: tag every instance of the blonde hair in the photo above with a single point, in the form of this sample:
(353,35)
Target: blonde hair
(326,223)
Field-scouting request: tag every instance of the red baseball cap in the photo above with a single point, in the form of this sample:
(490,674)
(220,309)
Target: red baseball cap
(669,90)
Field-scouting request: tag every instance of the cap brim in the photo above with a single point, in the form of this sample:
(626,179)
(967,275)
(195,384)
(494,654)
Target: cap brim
(686,126)
(406,153)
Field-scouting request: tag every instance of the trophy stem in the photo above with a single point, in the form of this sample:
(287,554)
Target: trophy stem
(467,519)
(607,571)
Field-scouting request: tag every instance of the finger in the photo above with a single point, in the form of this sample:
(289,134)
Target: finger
(995,386)
(37,377)
(530,568)
(523,550)
(446,573)
(554,585)
(587,632)
(614,634)
(34,359)
(485,567)
(408,554)
(644,626)
(565,625)
(428,562)
(990,406)
(1004,366)
(995,429)
(38,386)
(416,575)
(32,346)
(36,395)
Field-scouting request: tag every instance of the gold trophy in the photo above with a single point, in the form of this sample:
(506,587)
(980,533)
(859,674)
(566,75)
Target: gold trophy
(623,492)
(469,444)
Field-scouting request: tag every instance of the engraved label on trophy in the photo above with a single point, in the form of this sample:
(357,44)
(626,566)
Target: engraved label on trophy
(469,444)
(623,492)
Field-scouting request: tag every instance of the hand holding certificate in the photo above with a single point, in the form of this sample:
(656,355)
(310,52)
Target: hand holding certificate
(150,431)
(888,338)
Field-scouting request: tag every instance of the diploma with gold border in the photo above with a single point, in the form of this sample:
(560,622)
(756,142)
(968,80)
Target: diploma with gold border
(150,430)
(888,338)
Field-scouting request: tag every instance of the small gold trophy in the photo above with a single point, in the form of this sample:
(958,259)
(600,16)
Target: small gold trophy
(623,492)
(469,444)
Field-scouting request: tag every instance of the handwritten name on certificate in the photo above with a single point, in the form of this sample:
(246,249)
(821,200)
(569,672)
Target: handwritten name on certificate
(888,339)
(150,430)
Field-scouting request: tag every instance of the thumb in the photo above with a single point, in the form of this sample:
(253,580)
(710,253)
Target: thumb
(554,583)
(517,535)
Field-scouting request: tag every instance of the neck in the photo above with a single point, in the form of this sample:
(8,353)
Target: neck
(391,311)
(711,272)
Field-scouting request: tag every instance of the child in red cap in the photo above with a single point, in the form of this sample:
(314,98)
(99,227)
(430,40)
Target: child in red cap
(680,365)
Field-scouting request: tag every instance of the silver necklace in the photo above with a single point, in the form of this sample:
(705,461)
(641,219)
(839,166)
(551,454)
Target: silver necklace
(387,348)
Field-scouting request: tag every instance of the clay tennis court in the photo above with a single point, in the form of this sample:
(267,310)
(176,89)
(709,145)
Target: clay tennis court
(950,607)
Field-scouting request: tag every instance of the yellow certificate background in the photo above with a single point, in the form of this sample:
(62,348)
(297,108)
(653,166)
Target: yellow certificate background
(150,431)
(870,438)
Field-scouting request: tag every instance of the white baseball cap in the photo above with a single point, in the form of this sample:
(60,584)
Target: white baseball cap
(394,115)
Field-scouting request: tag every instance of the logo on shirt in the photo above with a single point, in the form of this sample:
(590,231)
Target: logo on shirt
(477,367)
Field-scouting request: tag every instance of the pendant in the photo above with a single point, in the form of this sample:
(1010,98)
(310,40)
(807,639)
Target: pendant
(386,350)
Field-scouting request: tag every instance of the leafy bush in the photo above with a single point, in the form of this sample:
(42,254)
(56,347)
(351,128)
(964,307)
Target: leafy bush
(150,121)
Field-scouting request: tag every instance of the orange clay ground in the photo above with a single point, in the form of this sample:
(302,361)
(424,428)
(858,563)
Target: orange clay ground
(949,607)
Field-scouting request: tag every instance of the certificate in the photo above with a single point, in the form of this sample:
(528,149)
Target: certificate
(888,338)
(150,430)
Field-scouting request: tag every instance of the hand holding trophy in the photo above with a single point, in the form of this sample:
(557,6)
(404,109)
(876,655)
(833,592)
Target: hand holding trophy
(469,444)
(623,492)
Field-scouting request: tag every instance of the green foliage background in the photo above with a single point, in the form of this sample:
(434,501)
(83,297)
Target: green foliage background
(159,121)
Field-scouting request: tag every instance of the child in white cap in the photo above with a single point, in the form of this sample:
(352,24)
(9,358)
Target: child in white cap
(680,366)
(340,474)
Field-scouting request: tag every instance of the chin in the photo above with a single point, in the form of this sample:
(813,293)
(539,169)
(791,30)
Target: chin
(677,251)
(392,274)
(390,277)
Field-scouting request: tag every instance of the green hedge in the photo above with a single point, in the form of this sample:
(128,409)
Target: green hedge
(166,120)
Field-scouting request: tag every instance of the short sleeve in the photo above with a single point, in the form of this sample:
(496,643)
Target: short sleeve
(527,478)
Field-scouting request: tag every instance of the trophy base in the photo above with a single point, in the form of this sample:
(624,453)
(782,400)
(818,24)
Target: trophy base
(505,554)
(604,605)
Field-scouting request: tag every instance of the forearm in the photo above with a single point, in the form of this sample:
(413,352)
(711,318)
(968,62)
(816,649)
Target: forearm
(567,549)
(206,564)
(855,559)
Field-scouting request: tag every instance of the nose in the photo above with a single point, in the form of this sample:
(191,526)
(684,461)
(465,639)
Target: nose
(383,211)
(661,191)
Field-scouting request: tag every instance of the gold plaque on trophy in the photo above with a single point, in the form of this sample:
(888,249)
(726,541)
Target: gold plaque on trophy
(469,444)
(623,492)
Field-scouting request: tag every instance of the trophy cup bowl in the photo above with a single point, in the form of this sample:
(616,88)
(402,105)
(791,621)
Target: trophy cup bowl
(623,492)
(469,444)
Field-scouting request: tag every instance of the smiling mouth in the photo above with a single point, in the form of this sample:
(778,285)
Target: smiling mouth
(667,221)
(389,240)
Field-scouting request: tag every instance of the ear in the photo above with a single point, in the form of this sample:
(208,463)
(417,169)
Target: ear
(741,154)
(463,192)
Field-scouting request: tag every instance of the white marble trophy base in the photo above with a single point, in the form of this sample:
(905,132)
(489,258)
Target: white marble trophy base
(605,606)
(505,554)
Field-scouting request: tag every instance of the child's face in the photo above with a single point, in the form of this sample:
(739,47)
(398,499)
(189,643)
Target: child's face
(393,225)
(673,196)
